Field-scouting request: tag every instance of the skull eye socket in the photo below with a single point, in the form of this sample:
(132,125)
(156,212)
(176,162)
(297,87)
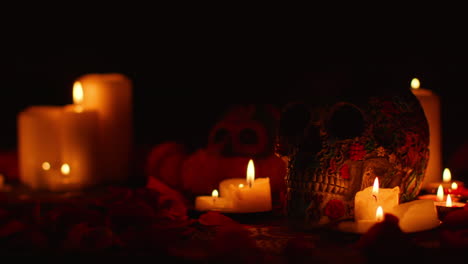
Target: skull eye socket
(294,120)
(220,135)
(346,121)
(248,136)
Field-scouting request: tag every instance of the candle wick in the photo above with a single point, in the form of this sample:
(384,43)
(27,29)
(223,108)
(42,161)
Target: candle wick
(375,197)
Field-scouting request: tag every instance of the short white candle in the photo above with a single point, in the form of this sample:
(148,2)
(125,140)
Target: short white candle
(38,145)
(247,195)
(367,201)
(210,203)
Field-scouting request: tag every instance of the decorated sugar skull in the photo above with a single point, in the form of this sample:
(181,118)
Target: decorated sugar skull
(336,145)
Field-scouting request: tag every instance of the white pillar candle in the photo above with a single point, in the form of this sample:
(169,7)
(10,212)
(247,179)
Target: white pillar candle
(38,145)
(57,146)
(247,195)
(111,96)
(211,203)
(78,145)
(430,103)
(367,201)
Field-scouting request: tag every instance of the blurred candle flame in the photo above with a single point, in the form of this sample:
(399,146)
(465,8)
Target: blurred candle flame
(454,186)
(46,166)
(449,201)
(215,193)
(65,169)
(78,96)
(446,176)
(415,84)
(440,193)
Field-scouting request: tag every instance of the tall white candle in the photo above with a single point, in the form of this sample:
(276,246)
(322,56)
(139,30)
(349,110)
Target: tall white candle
(78,145)
(430,103)
(110,95)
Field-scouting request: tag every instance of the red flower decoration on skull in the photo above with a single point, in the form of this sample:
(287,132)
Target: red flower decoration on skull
(334,209)
(389,109)
(344,171)
(356,151)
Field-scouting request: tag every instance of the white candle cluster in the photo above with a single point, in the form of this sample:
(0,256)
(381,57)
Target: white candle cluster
(72,147)
(239,195)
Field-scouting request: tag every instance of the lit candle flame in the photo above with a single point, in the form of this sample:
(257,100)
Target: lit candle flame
(46,166)
(379,214)
(375,188)
(415,84)
(215,193)
(454,186)
(241,185)
(446,176)
(449,201)
(78,96)
(440,193)
(65,169)
(250,173)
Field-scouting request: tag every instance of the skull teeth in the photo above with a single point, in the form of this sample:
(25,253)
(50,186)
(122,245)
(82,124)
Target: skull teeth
(320,183)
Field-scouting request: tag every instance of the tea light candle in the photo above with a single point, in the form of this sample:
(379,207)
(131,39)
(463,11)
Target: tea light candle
(447,183)
(247,195)
(367,201)
(210,203)
(439,198)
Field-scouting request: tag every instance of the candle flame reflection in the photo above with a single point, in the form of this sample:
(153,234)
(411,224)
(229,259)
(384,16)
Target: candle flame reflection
(46,166)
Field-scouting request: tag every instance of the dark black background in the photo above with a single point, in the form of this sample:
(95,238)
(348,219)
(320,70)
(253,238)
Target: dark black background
(181,87)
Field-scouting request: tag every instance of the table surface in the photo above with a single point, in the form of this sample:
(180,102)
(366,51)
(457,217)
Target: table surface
(268,237)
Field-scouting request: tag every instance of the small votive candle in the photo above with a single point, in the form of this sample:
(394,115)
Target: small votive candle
(210,203)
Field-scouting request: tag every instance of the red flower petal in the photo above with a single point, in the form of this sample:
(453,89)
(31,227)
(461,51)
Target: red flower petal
(212,218)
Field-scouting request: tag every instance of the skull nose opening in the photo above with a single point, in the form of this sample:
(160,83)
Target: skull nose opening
(345,122)
(248,136)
